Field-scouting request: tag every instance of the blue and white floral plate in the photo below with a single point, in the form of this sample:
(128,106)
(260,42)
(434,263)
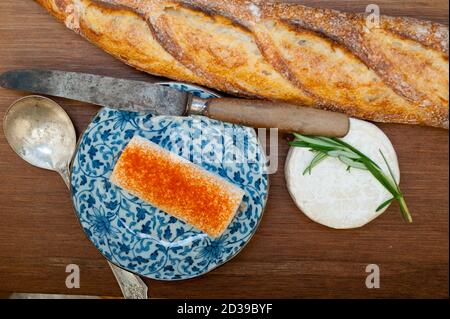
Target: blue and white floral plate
(137,236)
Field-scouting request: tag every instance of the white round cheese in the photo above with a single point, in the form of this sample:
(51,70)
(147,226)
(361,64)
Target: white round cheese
(335,197)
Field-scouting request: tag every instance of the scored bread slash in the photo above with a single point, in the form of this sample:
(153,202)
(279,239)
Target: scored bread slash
(176,186)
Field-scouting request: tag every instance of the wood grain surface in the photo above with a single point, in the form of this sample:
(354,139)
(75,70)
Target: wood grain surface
(289,257)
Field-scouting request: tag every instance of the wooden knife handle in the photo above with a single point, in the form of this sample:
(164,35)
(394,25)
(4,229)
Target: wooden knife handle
(287,118)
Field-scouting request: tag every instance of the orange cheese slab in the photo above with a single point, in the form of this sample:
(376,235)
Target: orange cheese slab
(177,186)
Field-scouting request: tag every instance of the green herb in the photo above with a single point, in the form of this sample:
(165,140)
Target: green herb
(324,147)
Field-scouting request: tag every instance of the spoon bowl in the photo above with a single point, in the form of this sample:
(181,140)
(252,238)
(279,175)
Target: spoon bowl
(40,132)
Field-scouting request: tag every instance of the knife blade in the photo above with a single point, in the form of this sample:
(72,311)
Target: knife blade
(130,95)
(141,96)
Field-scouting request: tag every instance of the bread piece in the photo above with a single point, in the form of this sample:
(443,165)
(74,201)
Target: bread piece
(331,195)
(397,72)
(177,186)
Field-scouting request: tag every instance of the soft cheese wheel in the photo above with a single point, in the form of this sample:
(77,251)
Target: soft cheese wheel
(331,195)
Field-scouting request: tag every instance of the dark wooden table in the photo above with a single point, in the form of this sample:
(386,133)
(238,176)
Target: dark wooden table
(290,256)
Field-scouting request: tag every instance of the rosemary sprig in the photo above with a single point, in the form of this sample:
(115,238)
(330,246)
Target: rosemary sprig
(324,147)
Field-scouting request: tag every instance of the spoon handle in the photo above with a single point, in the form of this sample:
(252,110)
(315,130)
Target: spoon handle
(65,174)
(131,285)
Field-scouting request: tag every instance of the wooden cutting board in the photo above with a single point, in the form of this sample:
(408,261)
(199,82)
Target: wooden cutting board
(290,256)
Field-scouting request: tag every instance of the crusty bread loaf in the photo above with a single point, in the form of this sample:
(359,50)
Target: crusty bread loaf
(177,186)
(396,72)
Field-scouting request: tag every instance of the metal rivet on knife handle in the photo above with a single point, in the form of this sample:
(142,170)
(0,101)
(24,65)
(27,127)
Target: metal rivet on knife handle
(197,106)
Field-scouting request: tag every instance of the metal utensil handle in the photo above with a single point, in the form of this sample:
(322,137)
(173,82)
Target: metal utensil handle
(131,285)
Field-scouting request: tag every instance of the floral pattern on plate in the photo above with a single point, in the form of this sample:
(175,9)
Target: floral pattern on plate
(140,238)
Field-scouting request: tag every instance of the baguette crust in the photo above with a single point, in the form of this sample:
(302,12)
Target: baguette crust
(397,72)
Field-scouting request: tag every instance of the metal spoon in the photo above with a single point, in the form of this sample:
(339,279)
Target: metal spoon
(41,133)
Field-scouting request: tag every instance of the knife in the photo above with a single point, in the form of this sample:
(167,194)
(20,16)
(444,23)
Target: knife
(141,96)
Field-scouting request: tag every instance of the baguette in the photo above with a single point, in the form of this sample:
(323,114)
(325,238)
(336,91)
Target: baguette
(177,186)
(396,72)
